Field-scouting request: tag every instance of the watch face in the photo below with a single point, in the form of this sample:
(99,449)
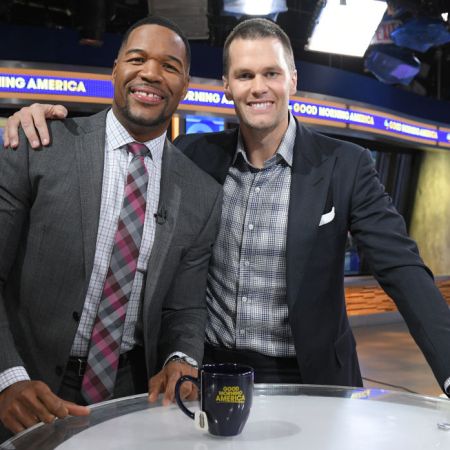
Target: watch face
(190,361)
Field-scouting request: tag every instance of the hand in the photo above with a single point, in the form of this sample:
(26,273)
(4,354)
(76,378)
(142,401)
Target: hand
(165,380)
(26,403)
(32,119)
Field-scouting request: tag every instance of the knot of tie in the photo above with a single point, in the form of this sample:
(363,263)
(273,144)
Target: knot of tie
(137,149)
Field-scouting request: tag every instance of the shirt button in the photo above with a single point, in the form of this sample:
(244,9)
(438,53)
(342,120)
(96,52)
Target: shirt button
(76,316)
(257,189)
(244,299)
(250,227)
(246,263)
(241,332)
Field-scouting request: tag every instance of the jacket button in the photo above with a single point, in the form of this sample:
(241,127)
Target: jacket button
(58,370)
(76,316)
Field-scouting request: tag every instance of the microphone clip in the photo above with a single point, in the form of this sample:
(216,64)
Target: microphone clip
(160,216)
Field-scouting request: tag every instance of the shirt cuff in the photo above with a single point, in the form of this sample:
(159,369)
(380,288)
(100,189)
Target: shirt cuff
(447,386)
(13,375)
(184,357)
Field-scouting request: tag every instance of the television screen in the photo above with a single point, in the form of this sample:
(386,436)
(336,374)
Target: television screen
(203,124)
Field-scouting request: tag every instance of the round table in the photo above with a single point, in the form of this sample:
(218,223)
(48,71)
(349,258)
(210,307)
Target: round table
(283,416)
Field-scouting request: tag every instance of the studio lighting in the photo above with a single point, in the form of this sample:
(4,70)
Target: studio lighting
(346,26)
(269,8)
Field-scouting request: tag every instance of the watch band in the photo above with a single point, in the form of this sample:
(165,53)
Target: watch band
(186,359)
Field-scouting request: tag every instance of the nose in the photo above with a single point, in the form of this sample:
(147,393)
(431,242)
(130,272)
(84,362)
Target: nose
(151,71)
(259,85)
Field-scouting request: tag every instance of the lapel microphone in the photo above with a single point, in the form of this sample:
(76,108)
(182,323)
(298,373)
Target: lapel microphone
(161,215)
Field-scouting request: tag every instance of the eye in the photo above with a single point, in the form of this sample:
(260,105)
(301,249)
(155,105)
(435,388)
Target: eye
(136,60)
(171,68)
(245,76)
(271,74)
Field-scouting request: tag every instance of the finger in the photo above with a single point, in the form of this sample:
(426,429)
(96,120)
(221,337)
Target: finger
(6,142)
(11,131)
(58,112)
(155,386)
(13,425)
(34,124)
(39,409)
(53,404)
(168,398)
(28,420)
(169,393)
(193,395)
(22,415)
(24,118)
(77,410)
(186,391)
(39,114)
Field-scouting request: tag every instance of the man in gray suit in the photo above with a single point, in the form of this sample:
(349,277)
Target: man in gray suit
(60,246)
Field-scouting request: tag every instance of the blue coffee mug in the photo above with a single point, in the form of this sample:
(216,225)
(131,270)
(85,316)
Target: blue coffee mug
(226,395)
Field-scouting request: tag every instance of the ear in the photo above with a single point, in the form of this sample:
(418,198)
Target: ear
(293,88)
(186,86)
(113,75)
(226,88)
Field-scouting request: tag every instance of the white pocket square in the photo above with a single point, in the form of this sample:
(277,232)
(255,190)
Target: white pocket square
(327,218)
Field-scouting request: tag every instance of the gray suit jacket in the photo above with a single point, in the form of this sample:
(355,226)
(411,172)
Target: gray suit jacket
(49,214)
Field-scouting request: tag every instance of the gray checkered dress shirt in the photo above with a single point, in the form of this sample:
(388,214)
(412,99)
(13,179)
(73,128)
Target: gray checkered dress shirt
(114,179)
(246,290)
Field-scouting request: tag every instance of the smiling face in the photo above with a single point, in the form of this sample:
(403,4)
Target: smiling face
(260,82)
(150,78)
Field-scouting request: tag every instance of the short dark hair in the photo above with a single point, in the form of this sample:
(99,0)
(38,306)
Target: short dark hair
(163,22)
(257,28)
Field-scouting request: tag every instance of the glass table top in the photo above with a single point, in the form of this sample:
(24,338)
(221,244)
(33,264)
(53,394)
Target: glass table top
(289,416)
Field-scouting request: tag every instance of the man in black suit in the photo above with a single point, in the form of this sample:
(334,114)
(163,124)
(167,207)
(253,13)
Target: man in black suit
(275,286)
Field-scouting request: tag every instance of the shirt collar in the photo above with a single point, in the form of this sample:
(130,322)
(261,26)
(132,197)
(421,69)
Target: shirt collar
(285,150)
(117,137)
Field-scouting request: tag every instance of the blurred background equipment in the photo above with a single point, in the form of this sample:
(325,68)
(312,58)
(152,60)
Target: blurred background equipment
(410,48)
(407,29)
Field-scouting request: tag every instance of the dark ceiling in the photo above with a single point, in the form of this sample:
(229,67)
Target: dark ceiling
(202,21)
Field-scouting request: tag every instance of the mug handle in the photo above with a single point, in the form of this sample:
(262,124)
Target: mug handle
(180,403)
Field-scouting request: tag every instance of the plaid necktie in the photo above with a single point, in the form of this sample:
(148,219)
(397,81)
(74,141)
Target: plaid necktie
(103,358)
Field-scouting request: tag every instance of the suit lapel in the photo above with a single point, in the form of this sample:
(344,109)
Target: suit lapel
(168,208)
(311,175)
(90,160)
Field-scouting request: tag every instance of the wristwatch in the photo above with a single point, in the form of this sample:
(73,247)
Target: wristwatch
(186,359)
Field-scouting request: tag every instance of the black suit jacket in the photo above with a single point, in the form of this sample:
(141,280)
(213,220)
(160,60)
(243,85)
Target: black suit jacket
(329,173)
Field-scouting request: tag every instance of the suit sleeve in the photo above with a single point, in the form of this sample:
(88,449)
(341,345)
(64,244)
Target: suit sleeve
(15,201)
(184,313)
(394,259)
